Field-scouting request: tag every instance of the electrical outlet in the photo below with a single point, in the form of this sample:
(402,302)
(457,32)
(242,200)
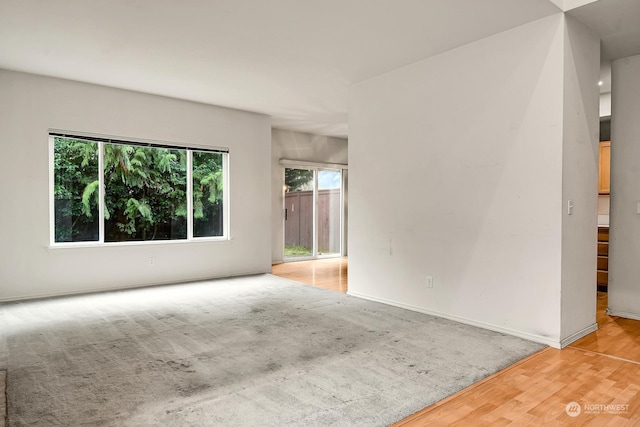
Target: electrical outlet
(152,261)
(429,281)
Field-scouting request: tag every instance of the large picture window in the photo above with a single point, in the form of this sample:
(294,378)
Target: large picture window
(107,191)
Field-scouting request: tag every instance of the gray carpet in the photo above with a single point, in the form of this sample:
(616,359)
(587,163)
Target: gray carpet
(3,398)
(249,351)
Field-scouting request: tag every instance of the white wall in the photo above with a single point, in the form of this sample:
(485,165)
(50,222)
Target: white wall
(573,4)
(456,172)
(624,250)
(581,135)
(296,146)
(30,105)
(603,207)
(605,104)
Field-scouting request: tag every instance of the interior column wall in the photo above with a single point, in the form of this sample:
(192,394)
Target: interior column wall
(624,250)
(456,174)
(579,180)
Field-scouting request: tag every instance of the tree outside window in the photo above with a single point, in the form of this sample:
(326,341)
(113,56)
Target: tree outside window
(145,192)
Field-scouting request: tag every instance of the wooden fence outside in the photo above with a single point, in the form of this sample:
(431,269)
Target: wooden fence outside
(299,220)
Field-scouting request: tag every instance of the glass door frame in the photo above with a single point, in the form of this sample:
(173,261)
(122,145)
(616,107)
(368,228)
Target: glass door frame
(340,251)
(313,254)
(316,168)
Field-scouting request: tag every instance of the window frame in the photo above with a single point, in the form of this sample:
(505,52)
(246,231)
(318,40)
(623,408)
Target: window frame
(101,141)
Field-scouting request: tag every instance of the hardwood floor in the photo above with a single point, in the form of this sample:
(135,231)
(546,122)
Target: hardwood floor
(602,318)
(329,273)
(537,390)
(619,338)
(600,372)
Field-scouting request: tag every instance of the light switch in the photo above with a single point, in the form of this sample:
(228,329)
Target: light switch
(569,207)
(638,207)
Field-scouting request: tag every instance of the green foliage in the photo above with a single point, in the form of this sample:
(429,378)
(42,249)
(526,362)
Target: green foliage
(89,202)
(208,185)
(75,165)
(145,192)
(298,179)
(294,250)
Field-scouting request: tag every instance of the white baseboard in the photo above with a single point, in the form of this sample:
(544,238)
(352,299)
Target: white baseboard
(576,336)
(121,288)
(620,313)
(525,335)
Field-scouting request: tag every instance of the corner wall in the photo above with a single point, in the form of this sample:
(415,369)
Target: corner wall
(456,172)
(296,146)
(624,249)
(30,105)
(581,134)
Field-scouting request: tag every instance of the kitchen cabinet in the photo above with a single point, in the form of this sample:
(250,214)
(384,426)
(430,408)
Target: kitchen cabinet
(602,274)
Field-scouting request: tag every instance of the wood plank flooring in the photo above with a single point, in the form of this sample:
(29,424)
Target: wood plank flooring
(619,338)
(600,372)
(602,302)
(537,390)
(329,273)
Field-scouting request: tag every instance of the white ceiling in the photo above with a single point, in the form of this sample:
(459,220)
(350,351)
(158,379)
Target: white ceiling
(290,59)
(617,22)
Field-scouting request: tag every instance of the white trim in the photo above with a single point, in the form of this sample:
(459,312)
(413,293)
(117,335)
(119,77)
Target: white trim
(342,227)
(627,315)
(226,197)
(283,214)
(300,164)
(525,335)
(101,192)
(52,197)
(314,219)
(128,287)
(190,195)
(124,139)
(96,244)
(341,209)
(576,336)
(316,182)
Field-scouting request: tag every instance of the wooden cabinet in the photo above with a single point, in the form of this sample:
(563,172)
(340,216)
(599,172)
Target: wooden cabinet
(602,275)
(604,167)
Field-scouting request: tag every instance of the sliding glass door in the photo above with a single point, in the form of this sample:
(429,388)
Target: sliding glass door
(299,213)
(329,204)
(313,213)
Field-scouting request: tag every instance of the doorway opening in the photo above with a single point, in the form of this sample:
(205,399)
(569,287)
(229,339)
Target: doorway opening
(604,172)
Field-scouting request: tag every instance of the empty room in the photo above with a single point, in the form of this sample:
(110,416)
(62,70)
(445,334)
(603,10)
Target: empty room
(286,213)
